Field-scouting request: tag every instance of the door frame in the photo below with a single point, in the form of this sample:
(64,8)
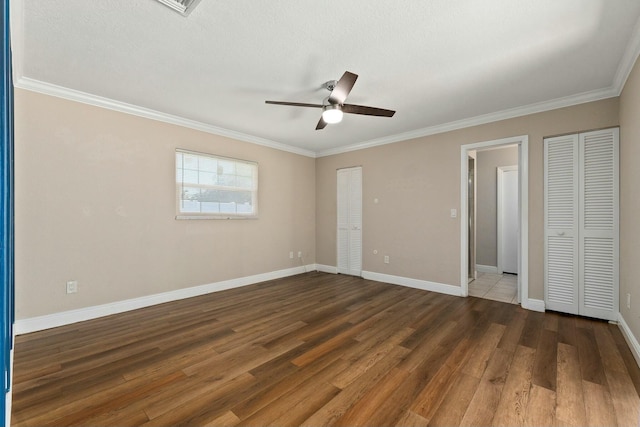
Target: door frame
(522,142)
(7,277)
(473,218)
(500,212)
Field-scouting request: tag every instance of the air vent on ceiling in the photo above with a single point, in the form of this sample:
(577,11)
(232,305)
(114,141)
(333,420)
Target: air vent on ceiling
(184,7)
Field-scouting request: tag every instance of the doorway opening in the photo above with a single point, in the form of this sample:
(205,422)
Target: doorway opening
(495,244)
(507,219)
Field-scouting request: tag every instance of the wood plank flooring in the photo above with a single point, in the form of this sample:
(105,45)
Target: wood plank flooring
(320,349)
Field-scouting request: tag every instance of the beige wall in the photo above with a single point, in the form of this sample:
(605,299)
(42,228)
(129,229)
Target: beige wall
(417,182)
(95,203)
(630,200)
(487,164)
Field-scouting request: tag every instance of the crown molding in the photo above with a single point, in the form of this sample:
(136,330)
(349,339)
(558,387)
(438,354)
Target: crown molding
(99,101)
(86,98)
(539,107)
(628,60)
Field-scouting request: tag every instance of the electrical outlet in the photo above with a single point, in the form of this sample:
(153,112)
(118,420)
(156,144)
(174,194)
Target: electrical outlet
(291,255)
(299,254)
(386,259)
(629,301)
(72,286)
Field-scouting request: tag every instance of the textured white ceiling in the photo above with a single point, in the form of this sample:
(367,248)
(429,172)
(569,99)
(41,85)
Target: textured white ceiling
(439,63)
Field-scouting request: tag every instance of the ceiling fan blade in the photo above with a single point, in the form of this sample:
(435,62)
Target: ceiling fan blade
(321,124)
(343,87)
(367,111)
(294,104)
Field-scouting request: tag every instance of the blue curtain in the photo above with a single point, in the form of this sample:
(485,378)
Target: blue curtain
(6,207)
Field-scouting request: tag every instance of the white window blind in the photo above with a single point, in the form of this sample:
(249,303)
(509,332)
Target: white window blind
(214,187)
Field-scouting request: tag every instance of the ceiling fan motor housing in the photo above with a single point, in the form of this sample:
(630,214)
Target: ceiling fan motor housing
(330,85)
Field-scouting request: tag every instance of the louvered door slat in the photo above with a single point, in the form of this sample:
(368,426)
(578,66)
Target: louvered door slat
(560,271)
(581,223)
(599,274)
(355,222)
(599,224)
(561,223)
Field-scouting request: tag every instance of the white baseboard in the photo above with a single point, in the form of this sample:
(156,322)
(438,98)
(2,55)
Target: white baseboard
(8,400)
(630,338)
(534,305)
(413,283)
(486,269)
(327,268)
(7,408)
(39,323)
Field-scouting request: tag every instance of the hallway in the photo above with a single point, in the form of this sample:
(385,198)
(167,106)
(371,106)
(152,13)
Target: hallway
(496,287)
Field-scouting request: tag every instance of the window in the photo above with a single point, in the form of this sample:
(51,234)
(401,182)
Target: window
(212,187)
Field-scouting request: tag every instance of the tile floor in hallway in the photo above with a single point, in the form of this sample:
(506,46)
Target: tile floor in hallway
(497,287)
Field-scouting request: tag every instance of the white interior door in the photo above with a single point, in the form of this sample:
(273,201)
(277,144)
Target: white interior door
(349,221)
(508,219)
(599,224)
(561,223)
(581,223)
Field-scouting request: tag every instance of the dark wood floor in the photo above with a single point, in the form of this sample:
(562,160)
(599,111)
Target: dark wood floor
(321,349)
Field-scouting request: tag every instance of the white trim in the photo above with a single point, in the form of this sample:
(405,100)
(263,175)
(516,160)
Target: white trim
(523,195)
(9,395)
(500,213)
(7,407)
(486,269)
(39,323)
(534,305)
(413,283)
(326,268)
(539,107)
(632,341)
(628,60)
(111,104)
(33,85)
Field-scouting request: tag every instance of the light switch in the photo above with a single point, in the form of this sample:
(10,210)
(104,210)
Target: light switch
(454,213)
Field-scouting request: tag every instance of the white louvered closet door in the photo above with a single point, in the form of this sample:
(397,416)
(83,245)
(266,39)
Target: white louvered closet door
(581,223)
(349,221)
(561,223)
(599,224)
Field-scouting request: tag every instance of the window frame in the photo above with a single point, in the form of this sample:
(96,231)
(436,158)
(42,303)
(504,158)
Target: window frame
(180,185)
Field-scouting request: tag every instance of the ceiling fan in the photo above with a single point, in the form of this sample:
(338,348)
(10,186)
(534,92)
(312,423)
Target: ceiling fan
(333,106)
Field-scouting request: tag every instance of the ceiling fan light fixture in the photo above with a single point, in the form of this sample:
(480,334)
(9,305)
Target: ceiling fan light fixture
(332,114)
